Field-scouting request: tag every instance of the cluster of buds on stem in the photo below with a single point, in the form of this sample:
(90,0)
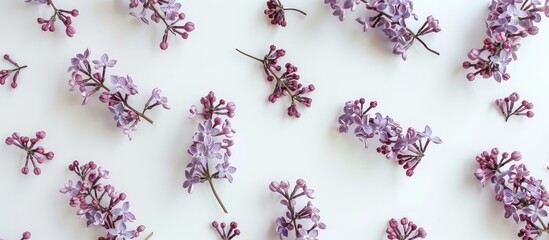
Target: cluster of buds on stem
(35,154)
(63,15)
(5,73)
(507,107)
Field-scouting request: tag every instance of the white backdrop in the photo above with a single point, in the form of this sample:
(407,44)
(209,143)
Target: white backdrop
(357,189)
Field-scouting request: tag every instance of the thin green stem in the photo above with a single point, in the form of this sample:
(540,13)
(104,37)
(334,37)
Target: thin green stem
(209,178)
(248,55)
(295,9)
(149,236)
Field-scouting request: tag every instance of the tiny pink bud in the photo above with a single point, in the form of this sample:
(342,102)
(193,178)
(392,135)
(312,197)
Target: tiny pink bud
(122,196)
(41,134)
(25,170)
(37,171)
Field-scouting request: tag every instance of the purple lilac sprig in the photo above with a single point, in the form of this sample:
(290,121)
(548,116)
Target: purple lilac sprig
(100,203)
(524,197)
(63,15)
(92,80)
(35,154)
(167,12)
(5,73)
(404,230)
(276,12)
(304,222)
(391,17)
(287,83)
(507,22)
(231,232)
(211,143)
(507,107)
(407,146)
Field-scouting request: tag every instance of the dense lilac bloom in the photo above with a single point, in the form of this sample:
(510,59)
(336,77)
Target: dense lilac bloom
(507,106)
(407,146)
(287,83)
(90,80)
(100,203)
(507,23)
(294,219)
(5,73)
(58,14)
(35,154)
(390,16)
(524,198)
(211,142)
(166,12)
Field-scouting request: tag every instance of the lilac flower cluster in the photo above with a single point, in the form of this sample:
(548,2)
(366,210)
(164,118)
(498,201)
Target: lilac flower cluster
(275,11)
(35,154)
(293,219)
(226,234)
(391,17)
(212,141)
(286,84)
(524,197)
(99,203)
(116,97)
(61,14)
(406,230)
(508,21)
(5,73)
(507,105)
(408,147)
(167,12)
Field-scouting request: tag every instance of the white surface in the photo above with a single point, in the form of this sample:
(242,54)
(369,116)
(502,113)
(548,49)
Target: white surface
(357,189)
